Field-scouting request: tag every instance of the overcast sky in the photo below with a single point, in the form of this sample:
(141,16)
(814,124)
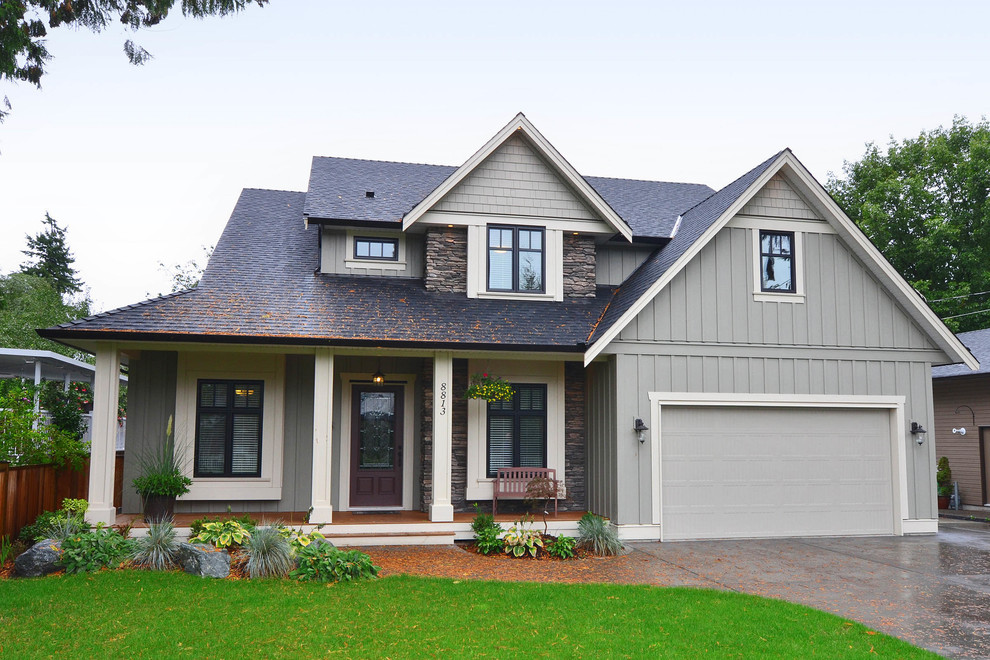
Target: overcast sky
(144,164)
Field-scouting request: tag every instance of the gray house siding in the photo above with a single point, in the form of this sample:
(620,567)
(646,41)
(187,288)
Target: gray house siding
(615,263)
(602,469)
(333,254)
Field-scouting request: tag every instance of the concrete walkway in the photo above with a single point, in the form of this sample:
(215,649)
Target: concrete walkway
(933,591)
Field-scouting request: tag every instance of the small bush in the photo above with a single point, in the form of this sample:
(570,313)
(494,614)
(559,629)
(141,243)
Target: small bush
(63,526)
(562,547)
(269,553)
(196,526)
(595,534)
(158,549)
(222,534)
(522,539)
(91,551)
(59,524)
(487,532)
(321,562)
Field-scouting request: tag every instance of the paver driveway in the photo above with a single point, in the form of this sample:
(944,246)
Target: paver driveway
(933,591)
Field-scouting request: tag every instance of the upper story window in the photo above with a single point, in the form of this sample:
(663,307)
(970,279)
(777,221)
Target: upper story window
(516,259)
(379,249)
(228,428)
(777,265)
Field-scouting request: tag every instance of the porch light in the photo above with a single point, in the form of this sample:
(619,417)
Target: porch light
(641,429)
(918,431)
(378,378)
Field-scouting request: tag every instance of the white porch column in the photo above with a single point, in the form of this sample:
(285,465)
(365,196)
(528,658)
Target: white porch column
(103,447)
(322,437)
(443,371)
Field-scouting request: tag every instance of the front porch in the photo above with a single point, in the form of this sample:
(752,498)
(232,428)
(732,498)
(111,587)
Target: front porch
(351,528)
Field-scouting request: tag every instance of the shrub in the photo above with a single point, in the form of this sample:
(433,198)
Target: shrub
(161,471)
(487,532)
(321,562)
(522,539)
(223,534)
(158,549)
(246,521)
(26,438)
(595,534)
(562,547)
(269,553)
(91,551)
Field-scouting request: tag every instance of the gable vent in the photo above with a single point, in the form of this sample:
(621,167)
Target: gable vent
(370,194)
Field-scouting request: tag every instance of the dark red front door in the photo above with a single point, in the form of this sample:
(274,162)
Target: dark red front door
(376,446)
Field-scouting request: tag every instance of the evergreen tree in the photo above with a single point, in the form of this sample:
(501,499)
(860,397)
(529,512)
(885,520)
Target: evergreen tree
(52,260)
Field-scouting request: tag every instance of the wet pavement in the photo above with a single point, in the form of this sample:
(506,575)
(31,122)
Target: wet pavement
(933,591)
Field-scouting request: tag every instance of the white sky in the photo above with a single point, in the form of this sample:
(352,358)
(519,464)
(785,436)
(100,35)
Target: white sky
(144,164)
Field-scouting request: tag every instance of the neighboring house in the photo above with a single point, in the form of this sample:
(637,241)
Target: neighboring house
(962,420)
(776,359)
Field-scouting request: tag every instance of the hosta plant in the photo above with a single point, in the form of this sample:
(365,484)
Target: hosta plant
(522,539)
(223,534)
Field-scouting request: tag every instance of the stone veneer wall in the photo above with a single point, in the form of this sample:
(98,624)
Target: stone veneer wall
(579,266)
(426,439)
(446,259)
(458,405)
(574,435)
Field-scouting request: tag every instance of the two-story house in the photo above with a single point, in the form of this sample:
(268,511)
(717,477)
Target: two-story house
(692,363)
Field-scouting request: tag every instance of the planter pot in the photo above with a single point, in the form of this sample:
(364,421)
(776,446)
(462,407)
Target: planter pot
(158,507)
(943,502)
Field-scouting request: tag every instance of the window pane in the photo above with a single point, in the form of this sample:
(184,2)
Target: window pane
(500,238)
(361,248)
(247,396)
(531,398)
(777,273)
(246,442)
(377,431)
(530,271)
(499,443)
(388,250)
(210,451)
(499,269)
(376,249)
(530,240)
(531,442)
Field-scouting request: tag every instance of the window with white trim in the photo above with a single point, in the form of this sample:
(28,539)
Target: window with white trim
(228,428)
(517,429)
(376,249)
(516,260)
(777,267)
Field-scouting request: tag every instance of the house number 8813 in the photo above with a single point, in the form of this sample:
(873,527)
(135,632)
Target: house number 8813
(443,398)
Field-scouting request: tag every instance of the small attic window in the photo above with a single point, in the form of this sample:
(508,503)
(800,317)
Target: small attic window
(370,194)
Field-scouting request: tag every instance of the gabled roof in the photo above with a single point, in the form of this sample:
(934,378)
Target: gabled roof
(700,224)
(978,343)
(522,126)
(249,295)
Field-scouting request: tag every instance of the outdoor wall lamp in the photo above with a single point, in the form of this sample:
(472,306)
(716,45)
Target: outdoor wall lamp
(918,431)
(641,429)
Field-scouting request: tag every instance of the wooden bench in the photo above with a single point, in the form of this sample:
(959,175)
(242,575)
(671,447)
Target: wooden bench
(511,484)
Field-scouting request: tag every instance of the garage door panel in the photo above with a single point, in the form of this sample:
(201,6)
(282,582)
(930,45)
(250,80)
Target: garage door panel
(744,472)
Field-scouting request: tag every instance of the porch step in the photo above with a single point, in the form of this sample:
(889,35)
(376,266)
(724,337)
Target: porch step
(390,538)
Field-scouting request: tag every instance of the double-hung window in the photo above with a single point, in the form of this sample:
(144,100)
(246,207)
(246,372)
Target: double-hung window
(516,259)
(777,261)
(228,428)
(517,429)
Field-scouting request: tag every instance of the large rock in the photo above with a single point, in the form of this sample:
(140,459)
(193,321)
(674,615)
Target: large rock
(40,559)
(204,560)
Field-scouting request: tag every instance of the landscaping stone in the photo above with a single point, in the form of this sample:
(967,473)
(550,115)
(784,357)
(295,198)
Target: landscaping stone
(40,559)
(204,560)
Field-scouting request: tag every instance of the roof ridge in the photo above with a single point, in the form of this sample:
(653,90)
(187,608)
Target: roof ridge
(621,178)
(125,308)
(283,190)
(378,160)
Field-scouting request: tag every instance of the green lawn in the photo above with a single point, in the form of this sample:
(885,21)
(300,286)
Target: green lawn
(142,614)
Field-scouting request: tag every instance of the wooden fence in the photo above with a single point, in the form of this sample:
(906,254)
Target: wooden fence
(28,490)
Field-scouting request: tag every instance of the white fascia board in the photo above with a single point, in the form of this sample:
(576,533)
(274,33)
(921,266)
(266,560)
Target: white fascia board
(547,150)
(682,261)
(909,297)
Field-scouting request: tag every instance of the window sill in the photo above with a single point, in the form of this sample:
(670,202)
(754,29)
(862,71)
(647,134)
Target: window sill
(515,295)
(375,263)
(232,489)
(766,296)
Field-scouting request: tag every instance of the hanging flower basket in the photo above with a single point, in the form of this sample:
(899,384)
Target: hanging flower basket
(489,388)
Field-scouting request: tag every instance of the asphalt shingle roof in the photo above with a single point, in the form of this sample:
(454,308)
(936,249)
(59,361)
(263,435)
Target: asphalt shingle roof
(273,294)
(338,190)
(978,343)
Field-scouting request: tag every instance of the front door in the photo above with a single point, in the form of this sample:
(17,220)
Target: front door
(376,446)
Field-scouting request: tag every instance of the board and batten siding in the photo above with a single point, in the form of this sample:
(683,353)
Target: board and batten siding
(614,264)
(601,471)
(963,451)
(515,181)
(334,254)
(151,401)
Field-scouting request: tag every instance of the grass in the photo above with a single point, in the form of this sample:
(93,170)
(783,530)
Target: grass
(138,614)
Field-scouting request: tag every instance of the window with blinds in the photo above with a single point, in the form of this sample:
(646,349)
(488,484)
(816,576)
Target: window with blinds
(517,429)
(228,428)
(515,259)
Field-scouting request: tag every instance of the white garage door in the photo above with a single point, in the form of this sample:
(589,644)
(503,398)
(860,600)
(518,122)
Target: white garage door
(751,472)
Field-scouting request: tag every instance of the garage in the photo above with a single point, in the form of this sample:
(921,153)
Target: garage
(758,470)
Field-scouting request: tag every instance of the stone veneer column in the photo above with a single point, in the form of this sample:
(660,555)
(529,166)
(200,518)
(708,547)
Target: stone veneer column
(575,451)
(441,509)
(446,259)
(579,266)
(103,446)
(322,437)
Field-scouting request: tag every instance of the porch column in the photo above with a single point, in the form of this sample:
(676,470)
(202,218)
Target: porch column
(322,437)
(103,445)
(441,510)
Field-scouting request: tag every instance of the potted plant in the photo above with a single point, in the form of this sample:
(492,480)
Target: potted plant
(161,480)
(943,477)
(489,388)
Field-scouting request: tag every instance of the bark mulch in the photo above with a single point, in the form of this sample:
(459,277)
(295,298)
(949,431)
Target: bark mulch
(458,562)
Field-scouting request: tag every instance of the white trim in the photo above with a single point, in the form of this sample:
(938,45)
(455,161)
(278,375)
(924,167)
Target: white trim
(898,431)
(321,485)
(347,382)
(799,273)
(553,256)
(479,485)
(634,532)
(519,123)
(465,219)
(911,299)
(350,261)
(106,390)
(779,224)
(919,526)
(441,506)
(270,369)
